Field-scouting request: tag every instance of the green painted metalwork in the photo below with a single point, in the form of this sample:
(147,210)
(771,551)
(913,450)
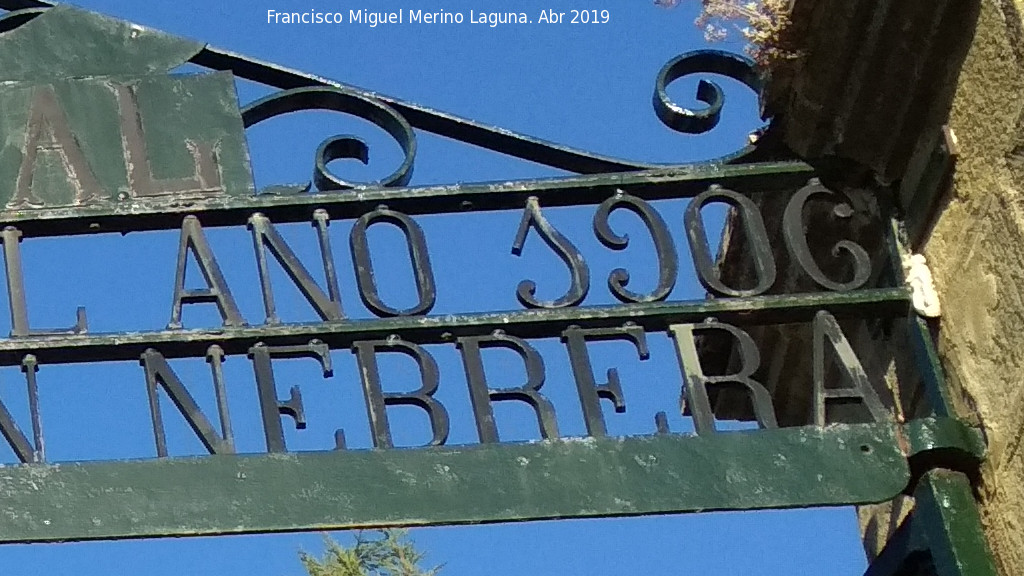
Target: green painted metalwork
(67,42)
(106,139)
(291,205)
(841,464)
(947,513)
(943,536)
(944,434)
(544,323)
(108,142)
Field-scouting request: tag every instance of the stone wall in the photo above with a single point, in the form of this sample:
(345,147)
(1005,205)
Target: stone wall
(976,252)
(875,84)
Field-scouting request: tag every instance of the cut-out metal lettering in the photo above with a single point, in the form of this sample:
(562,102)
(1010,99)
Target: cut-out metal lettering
(30,367)
(11,238)
(215,358)
(264,236)
(590,392)
(322,221)
(668,258)
(25,450)
(377,400)
(861,391)
(270,407)
(193,239)
(795,234)
(160,374)
(426,290)
(579,272)
(757,240)
(482,395)
(696,383)
(48,131)
(204,180)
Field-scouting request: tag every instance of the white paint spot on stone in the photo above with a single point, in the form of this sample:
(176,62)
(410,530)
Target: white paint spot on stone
(919,278)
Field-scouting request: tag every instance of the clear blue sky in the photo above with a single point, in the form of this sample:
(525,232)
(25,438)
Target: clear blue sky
(583,85)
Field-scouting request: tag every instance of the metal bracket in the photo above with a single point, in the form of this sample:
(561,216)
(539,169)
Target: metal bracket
(942,443)
(942,536)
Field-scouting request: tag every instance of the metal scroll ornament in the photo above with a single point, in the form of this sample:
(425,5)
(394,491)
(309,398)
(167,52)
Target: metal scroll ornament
(341,146)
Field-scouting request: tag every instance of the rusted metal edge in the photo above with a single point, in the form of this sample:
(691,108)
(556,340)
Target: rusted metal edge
(543,323)
(782,468)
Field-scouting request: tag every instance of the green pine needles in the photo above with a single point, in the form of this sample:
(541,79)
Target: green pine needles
(374,553)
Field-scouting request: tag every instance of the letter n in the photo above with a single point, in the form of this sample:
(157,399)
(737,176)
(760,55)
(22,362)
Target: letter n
(159,373)
(264,235)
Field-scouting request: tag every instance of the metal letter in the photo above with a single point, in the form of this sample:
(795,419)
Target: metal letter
(215,357)
(826,326)
(264,236)
(377,400)
(160,373)
(590,391)
(757,239)
(11,238)
(23,449)
(482,395)
(48,130)
(193,238)
(696,382)
(272,408)
(205,179)
(578,270)
(796,240)
(417,243)
(668,258)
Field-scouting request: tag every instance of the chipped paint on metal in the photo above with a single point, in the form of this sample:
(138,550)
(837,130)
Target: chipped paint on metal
(471,484)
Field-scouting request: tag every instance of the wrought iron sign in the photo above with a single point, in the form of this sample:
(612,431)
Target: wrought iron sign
(107,140)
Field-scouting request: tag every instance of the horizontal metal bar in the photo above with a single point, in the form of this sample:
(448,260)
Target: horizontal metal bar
(566,478)
(680,182)
(543,323)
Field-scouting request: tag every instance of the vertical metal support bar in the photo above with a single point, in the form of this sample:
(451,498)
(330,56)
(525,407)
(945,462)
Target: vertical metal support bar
(930,368)
(925,354)
(947,516)
(29,365)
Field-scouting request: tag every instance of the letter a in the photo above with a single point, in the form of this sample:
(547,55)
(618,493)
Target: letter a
(48,130)
(192,238)
(826,327)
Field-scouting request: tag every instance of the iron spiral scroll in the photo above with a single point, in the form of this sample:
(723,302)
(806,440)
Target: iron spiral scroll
(302,92)
(398,118)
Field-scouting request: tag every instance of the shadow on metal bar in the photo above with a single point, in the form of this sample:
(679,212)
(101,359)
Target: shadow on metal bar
(943,536)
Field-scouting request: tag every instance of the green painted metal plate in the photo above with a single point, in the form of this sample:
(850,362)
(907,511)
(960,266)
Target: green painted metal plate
(793,467)
(117,141)
(65,41)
